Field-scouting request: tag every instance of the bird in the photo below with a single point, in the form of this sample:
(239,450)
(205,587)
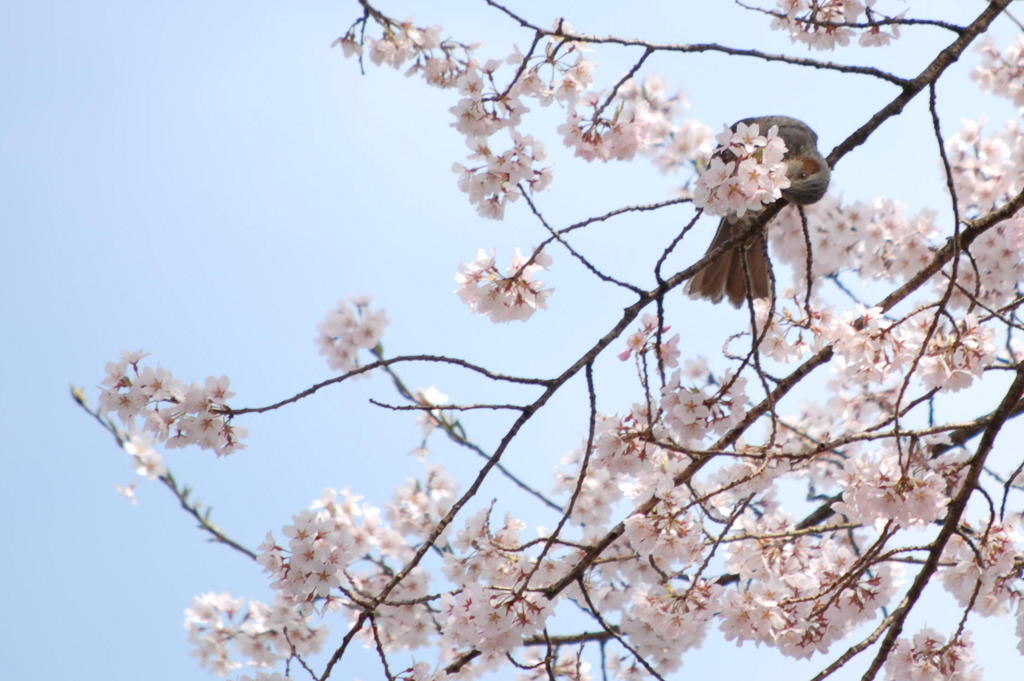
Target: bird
(809,176)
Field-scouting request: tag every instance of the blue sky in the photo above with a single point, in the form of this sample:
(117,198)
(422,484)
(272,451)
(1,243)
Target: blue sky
(205,180)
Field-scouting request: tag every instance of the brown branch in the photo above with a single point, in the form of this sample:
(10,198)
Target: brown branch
(560,32)
(385,363)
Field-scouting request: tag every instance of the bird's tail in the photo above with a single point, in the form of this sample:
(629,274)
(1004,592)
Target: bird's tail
(723,276)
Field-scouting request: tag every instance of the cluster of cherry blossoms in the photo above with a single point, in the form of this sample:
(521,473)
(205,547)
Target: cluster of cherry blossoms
(986,169)
(638,454)
(824,24)
(348,328)
(929,657)
(649,338)
(1000,72)
(986,174)
(691,414)
(664,622)
(882,487)
(799,594)
(642,120)
(988,561)
(876,239)
(634,118)
(337,553)
(671,143)
(153,402)
(495,176)
(496,180)
(516,295)
(874,349)
(262,635)
(746,172)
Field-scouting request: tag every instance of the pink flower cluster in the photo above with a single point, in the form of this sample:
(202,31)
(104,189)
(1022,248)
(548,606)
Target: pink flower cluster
(645,339)
(621,451)
(787,596)
(263,635)
(986,174)
(491,609)
(874,349)
(876,239)
(929,657)
(167,410)
(667,534)
(482,111)
(746,172)
(665,623)
(493,620)
(337,555)
(640,121)
(881,487)
(495,181)
(514,296)
(594,138)
(690,413)
(348,328)
(322,543)
(985,168)
(637,119)
(990,561)
(1000,72)
(671,145)
(814,23)
(638,454)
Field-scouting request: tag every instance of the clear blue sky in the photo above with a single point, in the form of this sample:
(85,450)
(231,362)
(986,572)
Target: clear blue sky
(204,180)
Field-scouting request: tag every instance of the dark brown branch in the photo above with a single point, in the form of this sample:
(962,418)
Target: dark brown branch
(386,363)
(701,47)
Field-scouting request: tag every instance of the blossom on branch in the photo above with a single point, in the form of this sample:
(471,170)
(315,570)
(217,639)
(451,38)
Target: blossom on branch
(347,329)
(157,404)
(1000,72)
(820,24)
(263,635)
(929,657)
(514,296)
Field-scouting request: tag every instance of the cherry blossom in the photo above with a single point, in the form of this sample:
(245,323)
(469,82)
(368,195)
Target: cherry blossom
(819,24)
(1000,72)
(515,296)
(646,338)
(262,635)
(879,489)
(928,657)
(156,407)
(989,562)
(745,173)
(347,329)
